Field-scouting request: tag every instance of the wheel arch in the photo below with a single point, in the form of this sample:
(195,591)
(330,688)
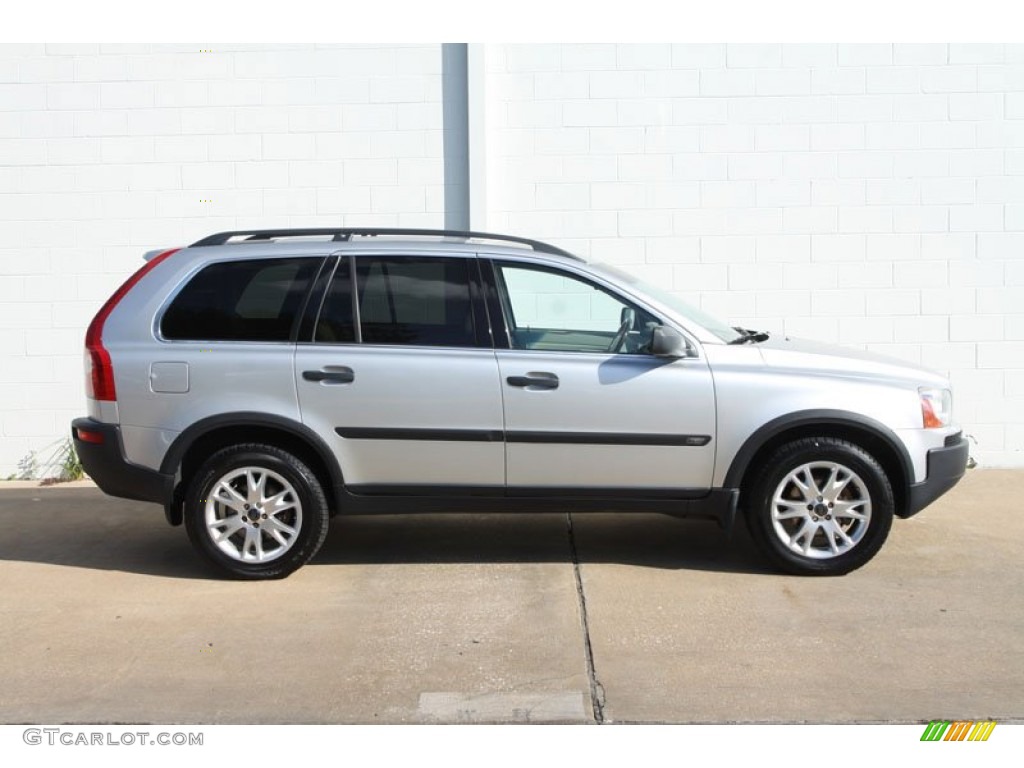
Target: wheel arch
(873,436)
(195,444)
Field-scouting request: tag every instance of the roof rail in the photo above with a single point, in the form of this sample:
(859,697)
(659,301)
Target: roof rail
(345,235)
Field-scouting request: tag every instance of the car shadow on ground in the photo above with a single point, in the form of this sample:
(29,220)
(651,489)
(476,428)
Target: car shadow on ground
(646,540)
(82,528)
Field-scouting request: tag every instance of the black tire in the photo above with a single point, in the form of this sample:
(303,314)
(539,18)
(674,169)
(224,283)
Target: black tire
(255,541)
(813,538)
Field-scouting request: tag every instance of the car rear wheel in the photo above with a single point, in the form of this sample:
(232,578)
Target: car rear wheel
(820,506)
(256,512)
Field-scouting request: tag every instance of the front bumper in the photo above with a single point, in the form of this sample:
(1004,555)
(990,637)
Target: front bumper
(946,466)
(102,458)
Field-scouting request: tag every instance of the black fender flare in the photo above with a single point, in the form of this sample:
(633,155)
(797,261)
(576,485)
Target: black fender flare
(824,417)
(183,442)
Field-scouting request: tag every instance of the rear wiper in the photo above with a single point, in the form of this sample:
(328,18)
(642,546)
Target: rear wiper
(747,335)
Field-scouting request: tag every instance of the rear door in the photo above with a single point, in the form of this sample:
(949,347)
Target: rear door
(400,377)
(586,406)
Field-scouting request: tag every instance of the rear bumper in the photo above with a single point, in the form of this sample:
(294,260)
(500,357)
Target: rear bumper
(945,468)
(103,460)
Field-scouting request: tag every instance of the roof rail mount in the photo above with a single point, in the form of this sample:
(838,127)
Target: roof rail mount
(345,235)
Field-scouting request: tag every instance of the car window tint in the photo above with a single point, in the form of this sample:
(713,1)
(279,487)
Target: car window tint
(337,323)
(255,300)
(415,301)
(551,310)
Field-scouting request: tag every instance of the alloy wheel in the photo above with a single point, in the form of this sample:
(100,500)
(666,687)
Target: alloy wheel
(821,510)
(253,515)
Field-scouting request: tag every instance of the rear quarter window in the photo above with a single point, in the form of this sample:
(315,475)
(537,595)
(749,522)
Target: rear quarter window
(257,300)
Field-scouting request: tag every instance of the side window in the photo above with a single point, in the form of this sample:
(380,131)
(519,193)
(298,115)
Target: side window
(402,300)
(550,310)
(337,321)
(255,300)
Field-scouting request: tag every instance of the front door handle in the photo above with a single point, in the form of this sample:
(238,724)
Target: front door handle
(331,374)
(534,380)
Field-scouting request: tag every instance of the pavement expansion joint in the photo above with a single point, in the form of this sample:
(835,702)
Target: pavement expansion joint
(597,699)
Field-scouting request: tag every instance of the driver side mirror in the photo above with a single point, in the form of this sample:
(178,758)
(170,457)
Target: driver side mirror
(668,342)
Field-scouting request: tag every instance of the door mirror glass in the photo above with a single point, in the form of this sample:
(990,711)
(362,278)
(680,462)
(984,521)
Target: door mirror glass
(668,342)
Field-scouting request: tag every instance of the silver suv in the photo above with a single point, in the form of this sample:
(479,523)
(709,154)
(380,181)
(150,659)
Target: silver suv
(257,383)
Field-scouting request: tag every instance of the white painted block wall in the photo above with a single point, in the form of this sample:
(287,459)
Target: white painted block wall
(870,195)
(110,151)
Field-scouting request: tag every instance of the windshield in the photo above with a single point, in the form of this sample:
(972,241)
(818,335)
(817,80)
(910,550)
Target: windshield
(719,328)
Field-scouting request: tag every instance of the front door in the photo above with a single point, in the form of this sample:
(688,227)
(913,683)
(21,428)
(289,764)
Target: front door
(586,406)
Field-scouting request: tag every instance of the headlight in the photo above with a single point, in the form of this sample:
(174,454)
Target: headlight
(936,407)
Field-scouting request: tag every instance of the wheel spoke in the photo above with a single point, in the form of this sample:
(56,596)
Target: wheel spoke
(252,549)
(272,524)
(805,532)
(256,482)
(830,534)
(805,484)
(842,534)
(277,535)
(793,514)
(224,529)
(826,487)
(809,537)
(793,509)
(229,497)
(846,509)
(277,503)
(836,486)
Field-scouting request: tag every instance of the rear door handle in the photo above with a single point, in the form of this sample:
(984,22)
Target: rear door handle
(331,374)
(534,380)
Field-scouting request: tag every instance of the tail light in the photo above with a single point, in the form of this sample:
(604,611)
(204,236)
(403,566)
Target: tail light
(99,373)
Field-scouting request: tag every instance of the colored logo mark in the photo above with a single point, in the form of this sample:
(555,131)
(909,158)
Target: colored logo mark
(958,730)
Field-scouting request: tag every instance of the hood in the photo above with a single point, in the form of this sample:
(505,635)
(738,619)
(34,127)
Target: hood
(815,356)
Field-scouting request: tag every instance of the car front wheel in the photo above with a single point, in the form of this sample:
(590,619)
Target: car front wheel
(820,506)
(256,512)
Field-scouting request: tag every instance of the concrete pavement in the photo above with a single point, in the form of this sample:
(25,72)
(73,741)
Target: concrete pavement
(107,616)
